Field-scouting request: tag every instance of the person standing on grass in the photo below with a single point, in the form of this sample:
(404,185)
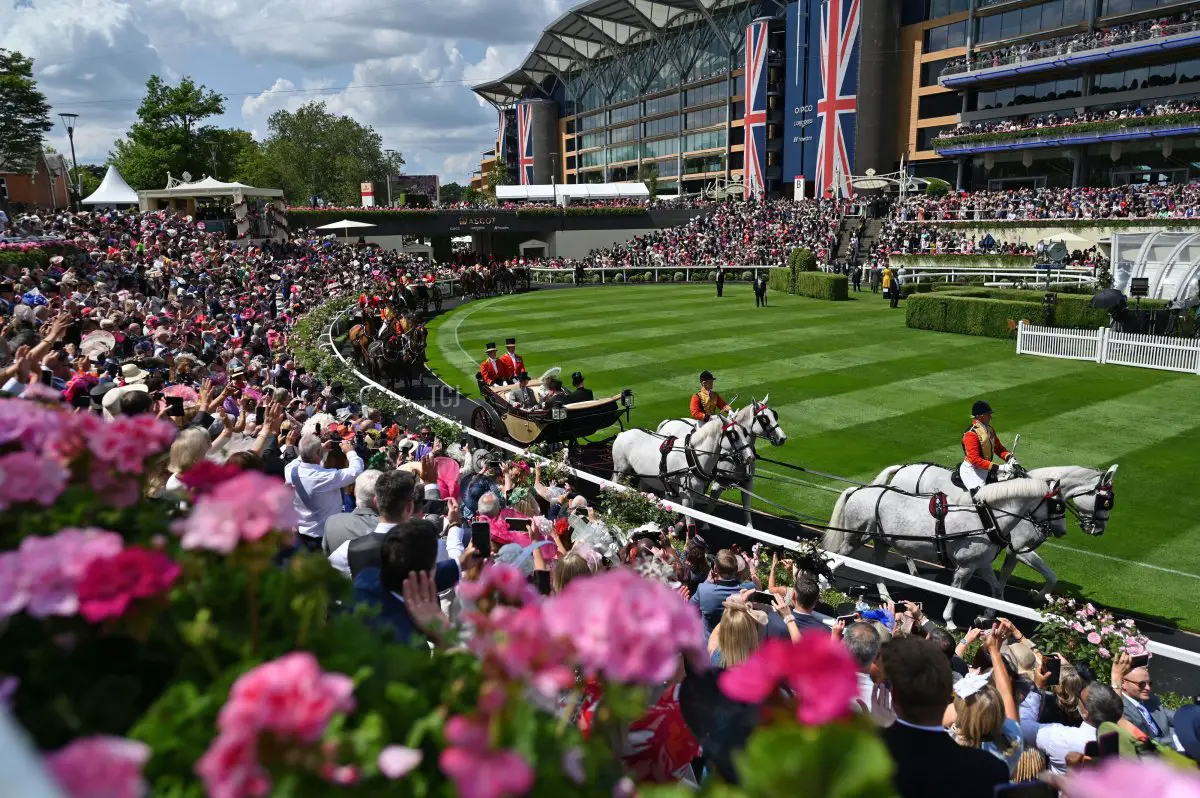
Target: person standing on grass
(720,281)
(856,277)
(760,290)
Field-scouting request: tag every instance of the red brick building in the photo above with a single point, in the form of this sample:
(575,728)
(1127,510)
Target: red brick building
(44,184)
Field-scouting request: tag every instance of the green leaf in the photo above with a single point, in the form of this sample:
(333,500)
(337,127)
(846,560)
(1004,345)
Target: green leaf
(839,760)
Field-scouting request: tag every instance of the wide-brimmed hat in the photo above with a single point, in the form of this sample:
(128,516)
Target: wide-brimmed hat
(132,373)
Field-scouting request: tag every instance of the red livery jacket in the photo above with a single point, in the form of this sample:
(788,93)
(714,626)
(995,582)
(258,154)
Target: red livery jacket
(513,363)
(978,452)
(494,374)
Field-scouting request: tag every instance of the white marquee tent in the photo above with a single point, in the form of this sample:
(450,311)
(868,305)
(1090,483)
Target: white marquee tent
(113,190)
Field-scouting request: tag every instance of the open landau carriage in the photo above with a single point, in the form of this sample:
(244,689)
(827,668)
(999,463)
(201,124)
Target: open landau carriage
(498,417)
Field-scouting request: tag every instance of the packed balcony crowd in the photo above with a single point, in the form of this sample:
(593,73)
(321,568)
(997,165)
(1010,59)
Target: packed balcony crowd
(1174,201)
(1077,42)
(1044,123)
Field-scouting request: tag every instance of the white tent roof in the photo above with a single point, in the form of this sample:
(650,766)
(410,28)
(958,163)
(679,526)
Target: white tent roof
(208,187)
(343,224)
(565,193)
(113,190)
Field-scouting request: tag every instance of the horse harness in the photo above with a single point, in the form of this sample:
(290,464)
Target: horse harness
(693,462)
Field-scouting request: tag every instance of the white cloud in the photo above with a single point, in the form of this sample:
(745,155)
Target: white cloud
(400,67)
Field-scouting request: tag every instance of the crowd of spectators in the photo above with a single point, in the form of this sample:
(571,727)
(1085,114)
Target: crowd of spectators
(1177,200)
(1052,121)
(145,313)
(1077,42)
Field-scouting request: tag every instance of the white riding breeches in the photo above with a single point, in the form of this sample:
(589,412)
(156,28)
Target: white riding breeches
(971,476)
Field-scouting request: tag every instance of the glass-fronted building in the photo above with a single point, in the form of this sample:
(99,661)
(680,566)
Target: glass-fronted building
(1051,92)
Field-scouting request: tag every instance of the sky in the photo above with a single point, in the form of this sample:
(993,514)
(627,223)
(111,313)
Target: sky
(405,67)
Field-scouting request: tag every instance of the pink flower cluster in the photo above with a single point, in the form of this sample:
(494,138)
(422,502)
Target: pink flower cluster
(291,700)
(1096,627)
(625,627)
(516,646)
(1121,778)
(42,577)
(100,767)
(111,584)
(819,672)
(245,508)
(504,583)
(477,769)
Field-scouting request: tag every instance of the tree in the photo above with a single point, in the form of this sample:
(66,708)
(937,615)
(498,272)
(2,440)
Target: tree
(315,152)
(469,194)
(451,193)
(87,176)
(169,137)
(497,176)
(24,112)
(649,176)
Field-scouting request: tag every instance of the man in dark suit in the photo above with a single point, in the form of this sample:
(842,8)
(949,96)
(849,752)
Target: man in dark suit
(344,527)
(581,392)
(720,281)
(928,763)
(760,291)
(407,550)
(1142,707)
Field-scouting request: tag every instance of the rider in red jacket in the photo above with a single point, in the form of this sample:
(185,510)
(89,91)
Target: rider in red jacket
(980,446)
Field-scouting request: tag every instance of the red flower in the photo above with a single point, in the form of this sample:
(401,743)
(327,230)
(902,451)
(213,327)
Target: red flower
(206,475)
(110,584)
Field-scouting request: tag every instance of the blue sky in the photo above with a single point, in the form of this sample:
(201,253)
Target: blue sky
(404,67)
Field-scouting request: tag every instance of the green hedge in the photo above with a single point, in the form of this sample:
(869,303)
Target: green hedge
(802,260)
(781,280)
(1106,126)
(1071,310)
(820,285)
(948,312)
(38,258)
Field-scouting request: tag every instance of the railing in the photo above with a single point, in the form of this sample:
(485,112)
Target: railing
(916,274)
(1067,46)
(1111,346)
(660,274)
(877,571)
(989,215)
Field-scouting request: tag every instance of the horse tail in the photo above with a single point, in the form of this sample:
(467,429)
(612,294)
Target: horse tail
(885,476)
(835,537)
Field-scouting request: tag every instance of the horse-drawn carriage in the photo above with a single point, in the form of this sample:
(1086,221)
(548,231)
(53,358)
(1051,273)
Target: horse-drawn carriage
(500,418)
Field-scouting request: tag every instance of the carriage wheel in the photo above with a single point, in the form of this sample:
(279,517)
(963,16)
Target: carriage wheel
(481,421)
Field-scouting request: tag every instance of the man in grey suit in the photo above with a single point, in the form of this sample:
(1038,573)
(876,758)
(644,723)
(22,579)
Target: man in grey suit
(522,395)
(344,527)
(1142,707)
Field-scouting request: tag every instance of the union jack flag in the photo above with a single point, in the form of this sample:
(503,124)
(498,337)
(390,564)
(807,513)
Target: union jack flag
(525,143)
(754,120)
(838,106)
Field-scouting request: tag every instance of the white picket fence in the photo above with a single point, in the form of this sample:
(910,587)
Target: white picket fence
(1110,346)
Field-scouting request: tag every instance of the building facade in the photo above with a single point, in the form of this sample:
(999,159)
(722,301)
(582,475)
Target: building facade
(1050,92)
(788,97)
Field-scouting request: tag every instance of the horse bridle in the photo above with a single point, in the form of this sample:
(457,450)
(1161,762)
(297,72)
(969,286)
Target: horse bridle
(1056,511)
(1105,499)
(772,432)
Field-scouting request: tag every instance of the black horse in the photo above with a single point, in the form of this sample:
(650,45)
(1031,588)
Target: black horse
(404,355)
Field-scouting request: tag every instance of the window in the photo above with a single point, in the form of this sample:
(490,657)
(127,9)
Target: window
(706,118)
(704,141)
(739,85)
(1031,19)
(931,71)
(704,163)
(589,140)
(942,104)
(570,162)
(591,159)
(944,37)
(706,94)
(626,153)
(926,135)
(657,149)
(623,114)
(591,122)
(1138,78)
(617,135)
(1110,7)
(668,168)
(660,127)
(1044,91)
(661,105)
(940,8)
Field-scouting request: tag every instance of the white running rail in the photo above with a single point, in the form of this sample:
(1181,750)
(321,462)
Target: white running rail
(1110,346)
(878,571)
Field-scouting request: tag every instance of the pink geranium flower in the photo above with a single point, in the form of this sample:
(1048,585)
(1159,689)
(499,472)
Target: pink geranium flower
(207,475)
(504,582)
(1094,638)
(42,576)
(518,644)
(625,627)
(30,477)
(1121,778)
(247,507)
(111,584)
(100,767)
(478,770)
(817,670)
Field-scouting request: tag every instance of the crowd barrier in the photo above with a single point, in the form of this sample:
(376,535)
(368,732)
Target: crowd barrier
(1110,346)
(663,274)
(1007,608)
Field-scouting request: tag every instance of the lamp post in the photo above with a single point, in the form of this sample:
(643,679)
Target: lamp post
(69,120)
(391,159)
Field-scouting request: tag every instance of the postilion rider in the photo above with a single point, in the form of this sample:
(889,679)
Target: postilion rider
(706,402)
(980,447)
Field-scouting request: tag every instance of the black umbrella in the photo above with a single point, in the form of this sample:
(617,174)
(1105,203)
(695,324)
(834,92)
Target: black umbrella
(1108,299)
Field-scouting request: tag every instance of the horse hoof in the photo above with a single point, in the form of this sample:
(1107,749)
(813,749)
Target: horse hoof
(951,626)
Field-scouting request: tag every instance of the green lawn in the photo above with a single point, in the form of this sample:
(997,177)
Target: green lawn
(856,391)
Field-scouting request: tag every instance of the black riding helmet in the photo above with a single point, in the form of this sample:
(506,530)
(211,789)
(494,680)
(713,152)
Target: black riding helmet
(981,407)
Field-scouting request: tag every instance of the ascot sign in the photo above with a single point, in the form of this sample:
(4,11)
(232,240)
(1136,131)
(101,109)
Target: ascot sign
(478,223)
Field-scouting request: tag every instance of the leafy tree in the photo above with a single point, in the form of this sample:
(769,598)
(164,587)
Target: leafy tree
(313,151)
(469,194)
(24,112)
(169,136)
(497,176)
(451,193)
(87,176)
(649,176)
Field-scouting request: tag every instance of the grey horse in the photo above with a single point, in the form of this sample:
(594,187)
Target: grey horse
(1026,512)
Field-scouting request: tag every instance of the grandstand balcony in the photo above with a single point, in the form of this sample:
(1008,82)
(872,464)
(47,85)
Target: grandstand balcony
(1171,39)
(1143,128)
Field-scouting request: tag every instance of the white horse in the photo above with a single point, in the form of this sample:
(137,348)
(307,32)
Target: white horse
(1088,491)
(760,421)
(1026,512)
(685,472)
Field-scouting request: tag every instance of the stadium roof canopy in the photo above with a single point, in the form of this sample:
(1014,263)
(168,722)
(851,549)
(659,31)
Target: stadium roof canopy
(563,194)
(593,31)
